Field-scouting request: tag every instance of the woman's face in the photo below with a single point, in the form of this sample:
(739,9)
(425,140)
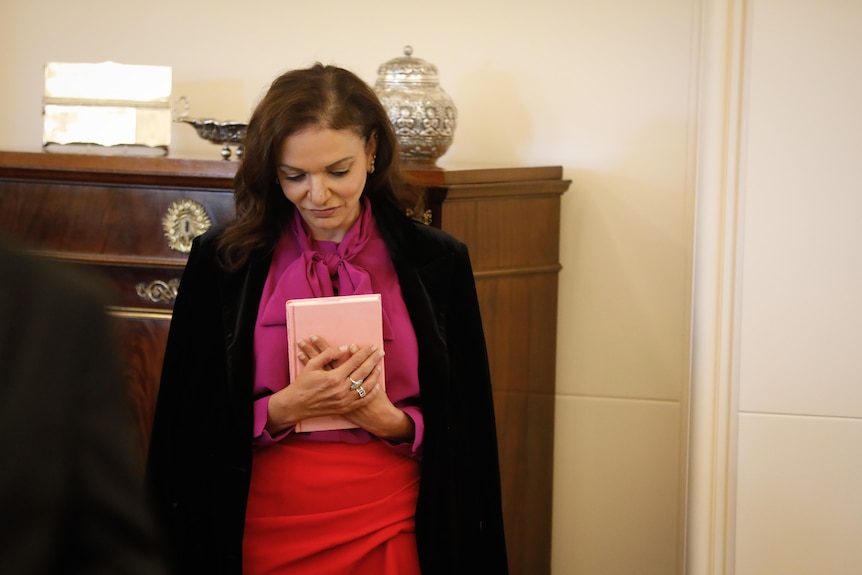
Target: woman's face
(323,173)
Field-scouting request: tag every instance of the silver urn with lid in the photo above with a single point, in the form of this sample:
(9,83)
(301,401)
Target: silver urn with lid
(422,114)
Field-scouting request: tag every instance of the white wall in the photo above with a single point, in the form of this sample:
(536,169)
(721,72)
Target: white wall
(606,89)
(800,366)
(777,443)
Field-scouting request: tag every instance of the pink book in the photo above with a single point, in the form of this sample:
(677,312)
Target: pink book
(340,320)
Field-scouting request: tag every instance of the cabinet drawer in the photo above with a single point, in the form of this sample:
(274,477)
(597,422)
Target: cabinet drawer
(149,287)
(123,223)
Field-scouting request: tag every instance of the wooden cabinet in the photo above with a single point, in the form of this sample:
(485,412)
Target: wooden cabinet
(113,215)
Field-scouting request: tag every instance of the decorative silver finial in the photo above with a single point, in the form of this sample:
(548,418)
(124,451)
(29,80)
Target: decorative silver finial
(408,51)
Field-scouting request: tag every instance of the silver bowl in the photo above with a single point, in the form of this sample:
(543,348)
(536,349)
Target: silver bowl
(223,133)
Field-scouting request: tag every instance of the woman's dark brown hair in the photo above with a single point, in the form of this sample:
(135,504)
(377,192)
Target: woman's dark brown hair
(325,96)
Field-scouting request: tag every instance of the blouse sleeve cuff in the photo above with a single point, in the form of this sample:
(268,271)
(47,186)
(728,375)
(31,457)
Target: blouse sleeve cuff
(261,435)
(415,413)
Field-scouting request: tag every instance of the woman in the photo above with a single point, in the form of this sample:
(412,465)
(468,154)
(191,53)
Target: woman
(414,487)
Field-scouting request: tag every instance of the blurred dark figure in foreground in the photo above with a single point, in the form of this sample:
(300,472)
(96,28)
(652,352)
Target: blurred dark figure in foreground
(71,491)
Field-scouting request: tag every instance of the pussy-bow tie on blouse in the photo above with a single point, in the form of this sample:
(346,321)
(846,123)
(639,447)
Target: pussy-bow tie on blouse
(321,270)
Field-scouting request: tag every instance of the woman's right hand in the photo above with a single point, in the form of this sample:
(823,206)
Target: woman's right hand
(323,385)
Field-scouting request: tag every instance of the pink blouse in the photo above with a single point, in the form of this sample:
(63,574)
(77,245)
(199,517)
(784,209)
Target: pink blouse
(270,345)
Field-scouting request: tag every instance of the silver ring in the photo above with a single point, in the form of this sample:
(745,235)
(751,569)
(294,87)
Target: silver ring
(361,391)
(355,384)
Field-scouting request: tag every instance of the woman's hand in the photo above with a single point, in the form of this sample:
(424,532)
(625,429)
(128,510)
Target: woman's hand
(311,348)
(374,412)
(377,415)
(323,385)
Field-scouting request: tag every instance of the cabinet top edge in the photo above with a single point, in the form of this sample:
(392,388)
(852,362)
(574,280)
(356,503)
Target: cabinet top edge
(23,162)
(221,172)
(473,173)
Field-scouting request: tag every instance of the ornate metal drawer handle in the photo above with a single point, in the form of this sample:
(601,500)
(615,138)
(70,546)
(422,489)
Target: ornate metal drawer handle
(183,222)
(159,291)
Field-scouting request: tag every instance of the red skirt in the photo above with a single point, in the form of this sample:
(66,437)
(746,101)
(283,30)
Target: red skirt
(331,508)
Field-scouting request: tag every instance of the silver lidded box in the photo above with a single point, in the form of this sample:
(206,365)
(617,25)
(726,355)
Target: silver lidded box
(107,108)
(423,115)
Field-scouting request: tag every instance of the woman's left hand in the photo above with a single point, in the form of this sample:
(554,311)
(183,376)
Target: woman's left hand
(375,413)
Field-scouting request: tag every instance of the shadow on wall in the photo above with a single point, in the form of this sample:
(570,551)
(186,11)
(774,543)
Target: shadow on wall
(632,241)
(622,385)
(494,123)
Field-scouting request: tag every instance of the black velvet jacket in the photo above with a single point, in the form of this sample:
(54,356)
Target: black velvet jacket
(200,452)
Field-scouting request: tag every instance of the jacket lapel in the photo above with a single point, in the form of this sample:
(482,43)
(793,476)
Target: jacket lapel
(240,294)
(422,273)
